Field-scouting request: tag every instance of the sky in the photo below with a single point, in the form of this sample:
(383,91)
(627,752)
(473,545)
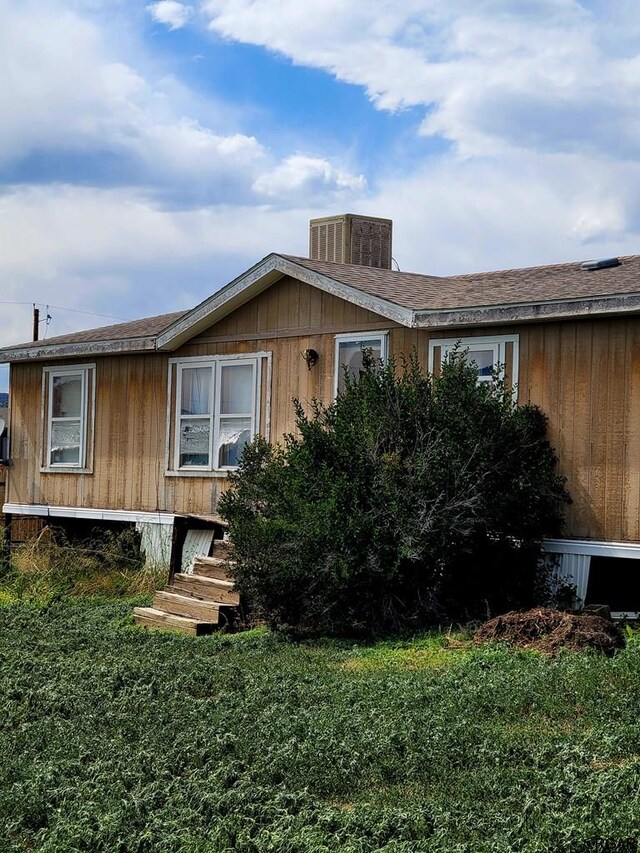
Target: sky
(152,151)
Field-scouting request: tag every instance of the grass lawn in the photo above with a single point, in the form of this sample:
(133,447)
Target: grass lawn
(113,739)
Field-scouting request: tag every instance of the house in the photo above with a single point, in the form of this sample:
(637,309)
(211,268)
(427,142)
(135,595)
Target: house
(141,422)
(4,417)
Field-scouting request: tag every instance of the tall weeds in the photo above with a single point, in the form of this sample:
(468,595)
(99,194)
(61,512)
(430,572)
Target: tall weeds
(107,564)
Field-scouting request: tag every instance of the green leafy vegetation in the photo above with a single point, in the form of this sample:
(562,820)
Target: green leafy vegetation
(412,500)
(117,740)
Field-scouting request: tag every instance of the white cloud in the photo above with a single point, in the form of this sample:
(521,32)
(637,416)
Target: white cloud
(130,129)
(491,72)
(174,15)
(299,176)
(457,216)
(117,252)
(538,99)
(115,110)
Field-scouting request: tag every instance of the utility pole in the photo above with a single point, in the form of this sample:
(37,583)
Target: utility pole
(36,322)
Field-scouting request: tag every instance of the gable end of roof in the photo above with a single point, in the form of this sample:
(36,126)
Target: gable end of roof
(257,279)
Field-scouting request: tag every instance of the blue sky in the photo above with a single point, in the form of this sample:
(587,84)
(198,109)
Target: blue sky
(151,151)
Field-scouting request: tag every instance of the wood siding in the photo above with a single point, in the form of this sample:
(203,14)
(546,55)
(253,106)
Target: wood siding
(584,374)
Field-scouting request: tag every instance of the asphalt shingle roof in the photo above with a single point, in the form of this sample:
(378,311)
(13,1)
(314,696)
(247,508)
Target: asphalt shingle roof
(146,327)
(528,286)
(503,287)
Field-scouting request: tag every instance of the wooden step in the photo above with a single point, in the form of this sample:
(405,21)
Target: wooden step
(222,548)
(185,605)
(210,589)
(213,567)
(149,617)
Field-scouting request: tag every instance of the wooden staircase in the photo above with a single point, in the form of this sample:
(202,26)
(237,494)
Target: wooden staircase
(195,603)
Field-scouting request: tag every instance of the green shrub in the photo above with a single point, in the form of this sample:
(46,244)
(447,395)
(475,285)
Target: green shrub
(409,500)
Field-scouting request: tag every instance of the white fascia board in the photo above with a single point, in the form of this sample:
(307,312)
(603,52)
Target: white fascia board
(618,304)
(389,310)
(221,303)
(48,352)
(593,548)
(43,510)
(257,279)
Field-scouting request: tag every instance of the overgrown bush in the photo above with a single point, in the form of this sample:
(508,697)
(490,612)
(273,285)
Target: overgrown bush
(410,500)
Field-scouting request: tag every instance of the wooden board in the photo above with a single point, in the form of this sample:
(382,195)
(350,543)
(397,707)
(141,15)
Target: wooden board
(209,589)
(149,617)
(213,567)
(183,605)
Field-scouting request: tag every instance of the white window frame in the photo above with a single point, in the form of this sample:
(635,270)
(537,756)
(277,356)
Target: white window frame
(497,343)
(87,416)
(353,338)
(174,416)
(179,417)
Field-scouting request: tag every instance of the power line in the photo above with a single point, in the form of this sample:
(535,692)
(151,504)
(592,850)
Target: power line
(92,313)
(62,308)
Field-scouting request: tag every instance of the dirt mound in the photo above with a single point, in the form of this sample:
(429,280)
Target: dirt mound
(551,630)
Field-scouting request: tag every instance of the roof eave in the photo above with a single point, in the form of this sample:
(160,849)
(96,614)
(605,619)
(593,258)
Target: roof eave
(221,303)
(48,352)
(495,315)
(257,279)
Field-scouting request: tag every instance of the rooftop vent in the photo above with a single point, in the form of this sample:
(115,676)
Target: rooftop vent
(603,264)
(351,239)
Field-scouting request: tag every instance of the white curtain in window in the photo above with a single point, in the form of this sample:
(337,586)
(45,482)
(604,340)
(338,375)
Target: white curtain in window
(236,391)
(67,396)
(196,391)
(233,434)
(65,441)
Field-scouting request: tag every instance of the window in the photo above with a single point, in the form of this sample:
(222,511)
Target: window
(349,353)
(217,410)
(68,403)
(490,354)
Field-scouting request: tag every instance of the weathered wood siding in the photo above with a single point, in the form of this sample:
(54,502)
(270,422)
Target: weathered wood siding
(131,404)
(586,377)
(584,374)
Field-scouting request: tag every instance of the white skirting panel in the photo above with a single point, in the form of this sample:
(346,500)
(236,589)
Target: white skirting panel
(196,542)
(155,543)
(574,569)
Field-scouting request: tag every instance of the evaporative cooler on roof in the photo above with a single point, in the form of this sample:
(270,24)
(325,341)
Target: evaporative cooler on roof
(350,239)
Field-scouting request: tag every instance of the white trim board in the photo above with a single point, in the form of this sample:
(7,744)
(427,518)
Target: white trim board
(593,548)
(81,512)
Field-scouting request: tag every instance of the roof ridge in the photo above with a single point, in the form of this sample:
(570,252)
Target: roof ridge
(298,258)
(456,276)
(538,268)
